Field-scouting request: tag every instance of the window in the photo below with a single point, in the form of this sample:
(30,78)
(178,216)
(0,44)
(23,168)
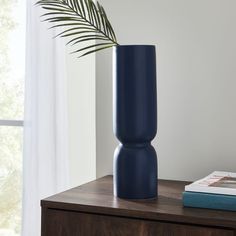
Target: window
(12,57)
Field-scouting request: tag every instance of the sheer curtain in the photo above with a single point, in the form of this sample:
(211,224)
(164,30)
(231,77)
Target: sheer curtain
(45,165)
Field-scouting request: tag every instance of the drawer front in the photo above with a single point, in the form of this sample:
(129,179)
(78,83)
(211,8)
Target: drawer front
(66,223)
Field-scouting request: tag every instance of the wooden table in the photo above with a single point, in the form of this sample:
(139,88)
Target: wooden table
(92,210)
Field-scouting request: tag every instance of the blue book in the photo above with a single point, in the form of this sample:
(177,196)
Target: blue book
(209,200)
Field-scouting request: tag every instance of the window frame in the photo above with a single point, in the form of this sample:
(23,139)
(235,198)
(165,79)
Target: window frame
(12,123)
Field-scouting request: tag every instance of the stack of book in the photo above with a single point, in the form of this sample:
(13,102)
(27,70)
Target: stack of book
(216,191)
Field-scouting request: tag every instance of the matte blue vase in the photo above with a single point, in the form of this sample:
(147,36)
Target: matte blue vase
(135,121)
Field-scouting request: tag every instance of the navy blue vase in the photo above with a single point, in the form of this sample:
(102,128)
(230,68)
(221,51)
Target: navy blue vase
(135,121)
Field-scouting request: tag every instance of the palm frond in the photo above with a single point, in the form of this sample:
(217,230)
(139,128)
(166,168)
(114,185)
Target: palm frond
(82,21)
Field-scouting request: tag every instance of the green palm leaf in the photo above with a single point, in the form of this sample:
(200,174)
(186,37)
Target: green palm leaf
(82,21)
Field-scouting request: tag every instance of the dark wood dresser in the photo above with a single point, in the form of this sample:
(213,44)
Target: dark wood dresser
(92,210)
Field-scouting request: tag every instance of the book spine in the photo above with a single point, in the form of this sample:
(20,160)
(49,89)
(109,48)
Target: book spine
(210,201)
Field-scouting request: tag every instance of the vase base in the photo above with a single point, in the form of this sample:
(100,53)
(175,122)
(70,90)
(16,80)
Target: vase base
(135,172)
(137,199)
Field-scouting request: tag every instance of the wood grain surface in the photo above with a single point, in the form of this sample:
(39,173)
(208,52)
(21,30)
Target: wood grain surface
(91,209)
(68,223)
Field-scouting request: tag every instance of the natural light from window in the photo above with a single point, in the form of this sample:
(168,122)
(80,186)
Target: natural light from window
(12,67)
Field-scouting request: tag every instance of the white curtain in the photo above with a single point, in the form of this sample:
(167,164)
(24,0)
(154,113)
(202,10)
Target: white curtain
(45,164)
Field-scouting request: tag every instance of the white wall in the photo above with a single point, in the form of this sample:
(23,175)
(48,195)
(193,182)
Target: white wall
(81,105)
(196,56)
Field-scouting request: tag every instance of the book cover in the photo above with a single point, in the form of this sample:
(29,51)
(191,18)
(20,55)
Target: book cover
(218,182)
(210,201)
